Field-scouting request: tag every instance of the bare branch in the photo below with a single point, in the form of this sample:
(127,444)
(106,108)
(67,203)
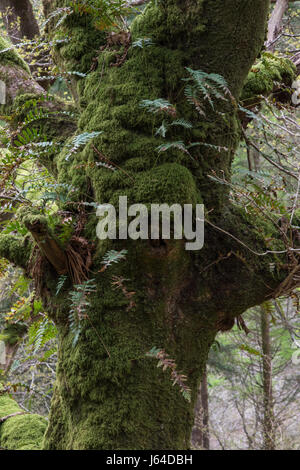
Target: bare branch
(275,23)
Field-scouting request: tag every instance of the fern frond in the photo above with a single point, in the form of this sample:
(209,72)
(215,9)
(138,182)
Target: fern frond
(111,257)
(183,123)
(80,141)
(40,333)
(209,86)
(79,306)
(61,280)
(106,165)
(158,105)
(179,145)
(162,130)
(166,362)
(142,42)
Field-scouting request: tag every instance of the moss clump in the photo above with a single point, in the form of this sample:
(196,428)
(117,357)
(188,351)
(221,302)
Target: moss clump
(265,73)
(10,56)
(13,333)
(16,249)
(168,183)
(20,432)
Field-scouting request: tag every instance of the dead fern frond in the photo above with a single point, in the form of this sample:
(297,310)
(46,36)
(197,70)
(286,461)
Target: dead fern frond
(166,362)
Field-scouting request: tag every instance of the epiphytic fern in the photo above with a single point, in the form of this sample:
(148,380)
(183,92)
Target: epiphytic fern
(142,42)
(79,304)
(61,281)
(158,105)
(207,86)
(40,333)
(80,141)
(111,257)
(166,363)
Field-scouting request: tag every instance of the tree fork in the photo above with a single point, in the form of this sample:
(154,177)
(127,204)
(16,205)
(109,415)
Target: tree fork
(48,246)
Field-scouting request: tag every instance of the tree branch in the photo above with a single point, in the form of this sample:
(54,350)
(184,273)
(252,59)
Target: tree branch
(275,23)
(48,246)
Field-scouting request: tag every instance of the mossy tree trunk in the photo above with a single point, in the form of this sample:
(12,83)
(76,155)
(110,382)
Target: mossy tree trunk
(108,393)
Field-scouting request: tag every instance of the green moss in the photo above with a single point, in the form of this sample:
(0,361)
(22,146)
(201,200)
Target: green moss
(13,333)
(123,401)
(20,432)
(11,56)
(15,249)
(23,432)
(168,183)
(8,405)
(265,73)
(108,395)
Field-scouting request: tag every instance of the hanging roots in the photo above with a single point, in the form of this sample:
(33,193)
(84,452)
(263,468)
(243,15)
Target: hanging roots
(79,259)
(75,260)
(79,252)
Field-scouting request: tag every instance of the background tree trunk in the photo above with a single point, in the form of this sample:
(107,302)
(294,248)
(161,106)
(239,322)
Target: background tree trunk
(275,23)
(268,420)
(200,433)
(20,22)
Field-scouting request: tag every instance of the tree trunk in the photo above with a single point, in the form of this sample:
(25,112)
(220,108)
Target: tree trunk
(108,393)
(275,23)
(200,433)
(19,19)
(268,420)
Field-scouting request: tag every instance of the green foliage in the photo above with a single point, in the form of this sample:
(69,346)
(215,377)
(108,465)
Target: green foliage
(207,86)
(58,192)
(113,256)
(79,305)
(204,87)
(61,281)
(80,141)
(40,333)
(105,13)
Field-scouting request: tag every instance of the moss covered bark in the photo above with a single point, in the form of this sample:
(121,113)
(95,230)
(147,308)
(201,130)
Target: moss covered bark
(19,430)
(121,400)
(108,394)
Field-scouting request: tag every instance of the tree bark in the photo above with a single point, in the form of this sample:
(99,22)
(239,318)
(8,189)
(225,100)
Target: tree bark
(200,433)
(108,393)
(268,419)
(20,21)
(275,23)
